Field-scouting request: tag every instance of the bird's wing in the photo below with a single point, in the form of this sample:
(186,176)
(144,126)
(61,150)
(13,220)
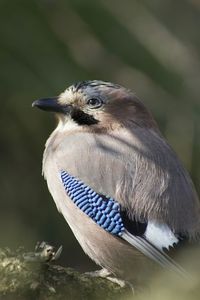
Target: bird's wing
(139,169)
(140,179)
(106,212)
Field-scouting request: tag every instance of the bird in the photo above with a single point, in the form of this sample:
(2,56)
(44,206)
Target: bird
(116,180)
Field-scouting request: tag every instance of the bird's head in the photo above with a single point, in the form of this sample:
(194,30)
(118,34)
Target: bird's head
(98,105)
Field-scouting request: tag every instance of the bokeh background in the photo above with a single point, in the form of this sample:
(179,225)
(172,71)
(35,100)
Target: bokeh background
(152,47)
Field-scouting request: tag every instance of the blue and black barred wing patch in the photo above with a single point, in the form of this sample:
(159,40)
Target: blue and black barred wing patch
(105,211)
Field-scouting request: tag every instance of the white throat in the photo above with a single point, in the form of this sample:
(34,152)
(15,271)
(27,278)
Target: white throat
(68,125)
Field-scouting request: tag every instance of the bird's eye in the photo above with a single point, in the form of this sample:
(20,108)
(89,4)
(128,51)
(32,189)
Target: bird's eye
(94,103)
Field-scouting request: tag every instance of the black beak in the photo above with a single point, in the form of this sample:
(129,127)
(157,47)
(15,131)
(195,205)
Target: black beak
(52,104)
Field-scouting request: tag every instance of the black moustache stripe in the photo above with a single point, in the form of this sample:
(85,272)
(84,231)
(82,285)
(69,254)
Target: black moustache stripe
(83,118)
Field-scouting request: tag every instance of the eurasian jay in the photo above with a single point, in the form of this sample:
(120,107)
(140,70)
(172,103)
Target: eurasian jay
(115,179)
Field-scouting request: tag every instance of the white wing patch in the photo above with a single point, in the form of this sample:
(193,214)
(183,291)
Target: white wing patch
(160,235)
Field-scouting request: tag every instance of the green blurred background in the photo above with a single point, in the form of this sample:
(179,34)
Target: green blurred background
(152,47)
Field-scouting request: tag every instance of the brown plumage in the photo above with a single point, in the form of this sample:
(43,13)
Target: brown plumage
(108,139)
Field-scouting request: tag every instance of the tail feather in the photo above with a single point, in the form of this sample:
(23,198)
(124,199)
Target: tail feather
(153,253)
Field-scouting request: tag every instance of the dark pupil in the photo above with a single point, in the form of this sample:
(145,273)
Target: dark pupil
(93,102)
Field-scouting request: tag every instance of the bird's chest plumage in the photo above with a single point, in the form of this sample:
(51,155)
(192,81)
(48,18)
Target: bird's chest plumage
(94,163)
(106,250)
(101,162)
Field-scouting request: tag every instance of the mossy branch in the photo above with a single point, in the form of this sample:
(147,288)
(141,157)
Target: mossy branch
(23,279)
